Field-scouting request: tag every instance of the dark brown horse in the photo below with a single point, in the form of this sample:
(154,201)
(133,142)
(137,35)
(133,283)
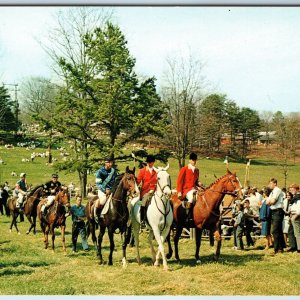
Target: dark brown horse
(30,206)
(116,216)
(55,217)
(206,212)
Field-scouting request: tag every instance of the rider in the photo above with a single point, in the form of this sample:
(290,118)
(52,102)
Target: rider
(20,190)
(105,178)
(188,180)
(51,188)
(147,177)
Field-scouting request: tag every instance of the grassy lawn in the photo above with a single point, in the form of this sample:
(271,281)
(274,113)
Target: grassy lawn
(27,268)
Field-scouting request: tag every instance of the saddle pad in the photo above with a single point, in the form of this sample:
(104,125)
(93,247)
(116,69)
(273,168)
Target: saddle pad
(107,204)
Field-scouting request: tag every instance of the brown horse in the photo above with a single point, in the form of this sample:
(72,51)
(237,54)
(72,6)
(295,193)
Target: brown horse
(115,218)
(55,217)
(30,206)
(206,212)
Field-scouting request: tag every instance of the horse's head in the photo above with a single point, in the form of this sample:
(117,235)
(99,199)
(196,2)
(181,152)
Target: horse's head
(128,180)
(163,181)
(63,196)
(232,184)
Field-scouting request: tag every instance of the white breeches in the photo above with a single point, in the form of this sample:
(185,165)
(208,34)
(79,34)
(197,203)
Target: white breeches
(102,197)
(20,199)
(50,200)
(190,195)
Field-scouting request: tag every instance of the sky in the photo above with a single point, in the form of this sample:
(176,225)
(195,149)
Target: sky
(251,54)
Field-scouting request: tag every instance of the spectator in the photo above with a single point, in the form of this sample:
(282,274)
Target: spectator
(3,200)
(265,218)
(275,201)
(78,226)
(295,214)
(249,217)
(239,225)
(286,219)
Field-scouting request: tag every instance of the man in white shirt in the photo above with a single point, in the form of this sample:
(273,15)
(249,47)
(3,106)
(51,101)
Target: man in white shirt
(275,201)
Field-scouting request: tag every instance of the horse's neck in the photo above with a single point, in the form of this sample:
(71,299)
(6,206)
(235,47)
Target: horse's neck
(215,194)
(119,193)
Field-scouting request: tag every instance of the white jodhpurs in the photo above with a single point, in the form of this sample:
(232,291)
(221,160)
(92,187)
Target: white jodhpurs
(191,195)
(102,197)
(50,200)
(20,200)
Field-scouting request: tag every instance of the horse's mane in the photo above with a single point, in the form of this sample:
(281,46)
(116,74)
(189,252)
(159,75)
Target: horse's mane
(116,183)
(34,190)
(216,181)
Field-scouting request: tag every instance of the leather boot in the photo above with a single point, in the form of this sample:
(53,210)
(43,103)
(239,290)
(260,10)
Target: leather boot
(143,208)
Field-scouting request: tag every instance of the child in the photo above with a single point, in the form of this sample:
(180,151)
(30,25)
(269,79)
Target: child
(239,225)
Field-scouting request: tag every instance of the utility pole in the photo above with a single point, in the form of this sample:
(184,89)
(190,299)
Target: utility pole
(16,90)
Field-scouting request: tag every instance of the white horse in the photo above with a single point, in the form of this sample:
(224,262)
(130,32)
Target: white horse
(159,217)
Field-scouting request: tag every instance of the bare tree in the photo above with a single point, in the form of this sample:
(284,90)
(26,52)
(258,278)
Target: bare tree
(74,67)
(181,91)
(266,124)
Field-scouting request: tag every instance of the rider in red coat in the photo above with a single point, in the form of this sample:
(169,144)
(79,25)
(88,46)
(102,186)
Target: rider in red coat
(188,180)
(147,178)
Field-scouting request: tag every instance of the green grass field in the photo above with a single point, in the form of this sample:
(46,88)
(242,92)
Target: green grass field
(26,268)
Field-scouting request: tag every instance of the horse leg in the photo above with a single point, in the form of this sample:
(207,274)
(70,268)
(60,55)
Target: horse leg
(176,241)
(100,238)
(31,224)
(136,230)
(63,229)
(46,232)
(15,223)
(53,235)
(217,235)
(150,239)
(198,244)
(34,224)
(160,238)
(170,250)
(92,229)
(125,241)
(112,245)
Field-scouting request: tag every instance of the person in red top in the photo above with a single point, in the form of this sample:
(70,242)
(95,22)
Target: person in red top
(147,179)
(187,181)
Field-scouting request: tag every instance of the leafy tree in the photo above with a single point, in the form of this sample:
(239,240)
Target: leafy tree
(212,113)
(249,127)
(7,117)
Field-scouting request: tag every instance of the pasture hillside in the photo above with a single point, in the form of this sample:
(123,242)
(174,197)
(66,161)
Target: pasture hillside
(26,268)
(39,171)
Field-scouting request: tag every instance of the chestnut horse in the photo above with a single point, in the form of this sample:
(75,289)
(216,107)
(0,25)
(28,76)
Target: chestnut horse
(14,212)
(55,216)
(116,216)
(206,212)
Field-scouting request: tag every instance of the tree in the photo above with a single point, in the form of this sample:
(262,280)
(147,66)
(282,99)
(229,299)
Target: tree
(181,91)
(38,95)
(126,106)
(212,113)
(266,124)
(75,107)
(249,127)
(7,117)
(232,123)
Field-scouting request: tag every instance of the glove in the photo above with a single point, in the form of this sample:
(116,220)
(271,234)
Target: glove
(179,196)
(151,192)
(108,192)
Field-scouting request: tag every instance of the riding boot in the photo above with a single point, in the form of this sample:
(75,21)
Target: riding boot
(143,208)
(97,212)
(189,206)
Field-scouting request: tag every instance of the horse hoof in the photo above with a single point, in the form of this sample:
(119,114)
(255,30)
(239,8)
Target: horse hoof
(169,255)
(27,232)
(198,261)
(156,264)
(166,268)
(19,232)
